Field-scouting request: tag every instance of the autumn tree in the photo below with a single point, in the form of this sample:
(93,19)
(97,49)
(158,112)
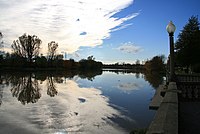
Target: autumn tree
(155,70)
(27,47)
(156,64)
(188,44)
(52,46)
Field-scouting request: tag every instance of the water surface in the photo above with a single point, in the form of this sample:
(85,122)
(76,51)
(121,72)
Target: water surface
(36,103)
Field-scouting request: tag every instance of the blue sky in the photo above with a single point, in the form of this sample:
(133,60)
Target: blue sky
(110,30)
(148,29)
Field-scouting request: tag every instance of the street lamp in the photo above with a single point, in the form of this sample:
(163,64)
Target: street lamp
(171,29)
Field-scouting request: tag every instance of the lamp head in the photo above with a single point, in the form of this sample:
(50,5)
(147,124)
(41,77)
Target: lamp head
(171,28)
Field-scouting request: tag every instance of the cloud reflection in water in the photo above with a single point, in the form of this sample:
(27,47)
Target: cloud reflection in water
(129,87)
(73,110)
(88,110)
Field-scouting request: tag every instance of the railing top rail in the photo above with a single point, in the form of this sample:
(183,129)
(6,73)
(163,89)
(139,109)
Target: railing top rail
(187,83)
(188,75)
(188,78)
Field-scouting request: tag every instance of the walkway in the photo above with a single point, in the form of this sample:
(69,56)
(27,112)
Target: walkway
(179,110)
(166,118)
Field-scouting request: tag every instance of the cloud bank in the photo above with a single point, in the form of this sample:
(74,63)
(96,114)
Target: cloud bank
(71,23)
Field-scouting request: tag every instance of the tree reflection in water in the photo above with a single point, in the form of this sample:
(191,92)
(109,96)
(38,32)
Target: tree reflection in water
(1,90)
(154,78)
(25,89)
(51,88)
(25,86)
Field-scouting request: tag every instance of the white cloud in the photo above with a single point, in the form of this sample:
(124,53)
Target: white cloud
(71,23)
(129,48)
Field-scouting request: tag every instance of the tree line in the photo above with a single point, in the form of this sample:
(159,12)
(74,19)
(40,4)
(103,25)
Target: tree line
(26,54)
(136,67)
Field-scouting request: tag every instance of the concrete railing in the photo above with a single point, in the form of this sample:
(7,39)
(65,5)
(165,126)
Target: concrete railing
(166,118)
(188,77)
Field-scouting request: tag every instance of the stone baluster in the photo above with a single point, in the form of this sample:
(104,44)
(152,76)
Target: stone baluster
(183,91)
(196,93)
(189,92)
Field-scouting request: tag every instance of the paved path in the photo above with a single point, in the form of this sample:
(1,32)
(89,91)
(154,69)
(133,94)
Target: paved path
(157,98)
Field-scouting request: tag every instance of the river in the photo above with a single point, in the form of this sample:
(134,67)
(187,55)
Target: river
(110,102)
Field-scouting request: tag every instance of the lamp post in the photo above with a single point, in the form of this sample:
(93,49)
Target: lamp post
(171,29)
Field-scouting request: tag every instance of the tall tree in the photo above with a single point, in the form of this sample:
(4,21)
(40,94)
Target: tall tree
(27,46)
(52,46)
(187,46)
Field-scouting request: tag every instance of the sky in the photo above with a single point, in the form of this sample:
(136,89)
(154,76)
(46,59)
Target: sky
(110,30)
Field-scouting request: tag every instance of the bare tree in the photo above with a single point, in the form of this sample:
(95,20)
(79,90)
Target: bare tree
(27,46)
(51,87)
(52,46)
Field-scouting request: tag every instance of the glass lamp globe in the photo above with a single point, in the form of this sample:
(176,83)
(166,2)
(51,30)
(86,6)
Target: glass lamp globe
(171,28)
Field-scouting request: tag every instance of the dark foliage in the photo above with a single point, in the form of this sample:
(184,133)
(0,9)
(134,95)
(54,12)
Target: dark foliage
(188,45)
(155,70)
(16,62)
(90,64)
(156,64)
